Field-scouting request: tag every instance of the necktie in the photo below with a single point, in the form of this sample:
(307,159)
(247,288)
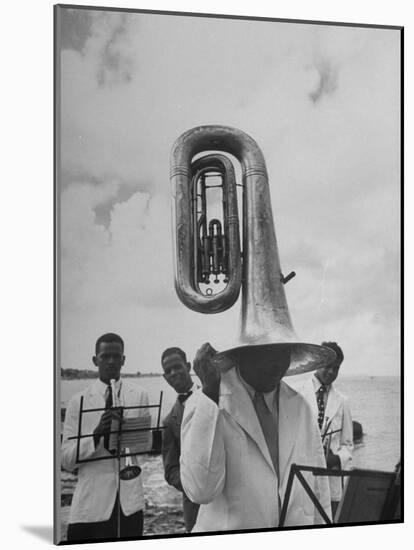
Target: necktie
(184,396)
(108,397)
(320,400)
(108,405)
(269,428)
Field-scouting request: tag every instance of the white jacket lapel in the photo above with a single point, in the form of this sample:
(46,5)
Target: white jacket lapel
(310,396)
(236,401)
(127,398)
(93,399)
(95,396)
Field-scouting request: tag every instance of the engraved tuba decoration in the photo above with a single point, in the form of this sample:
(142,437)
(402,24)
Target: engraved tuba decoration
(212,265)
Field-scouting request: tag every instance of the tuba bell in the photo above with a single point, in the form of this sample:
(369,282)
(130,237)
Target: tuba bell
(212,265)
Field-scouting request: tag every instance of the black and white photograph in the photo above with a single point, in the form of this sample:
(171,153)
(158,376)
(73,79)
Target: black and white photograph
(228,212)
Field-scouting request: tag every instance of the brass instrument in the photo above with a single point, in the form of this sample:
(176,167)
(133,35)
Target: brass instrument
(205,249)
(129,469)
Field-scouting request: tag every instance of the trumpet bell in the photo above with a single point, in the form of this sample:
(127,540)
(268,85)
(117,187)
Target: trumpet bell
(130,472)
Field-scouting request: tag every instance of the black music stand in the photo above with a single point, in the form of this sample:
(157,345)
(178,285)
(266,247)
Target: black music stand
(128,432)
(369,495)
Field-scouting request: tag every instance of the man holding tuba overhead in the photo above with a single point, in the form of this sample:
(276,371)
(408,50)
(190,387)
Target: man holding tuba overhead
(245,427)
(240,433)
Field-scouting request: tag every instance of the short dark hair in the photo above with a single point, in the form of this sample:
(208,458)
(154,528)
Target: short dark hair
(108,337)
(334,346)
(170,351)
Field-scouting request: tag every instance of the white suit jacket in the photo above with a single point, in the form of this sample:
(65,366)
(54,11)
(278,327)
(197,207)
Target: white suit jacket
(226,465)
(97,486)
(337,417)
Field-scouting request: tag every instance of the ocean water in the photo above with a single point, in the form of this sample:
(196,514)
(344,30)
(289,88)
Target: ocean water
(375,403)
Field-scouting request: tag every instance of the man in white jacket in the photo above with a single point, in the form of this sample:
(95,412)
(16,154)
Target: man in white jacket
(94,509)
(240,434)
(332,411)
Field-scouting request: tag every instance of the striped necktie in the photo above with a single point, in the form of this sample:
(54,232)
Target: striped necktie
(320,400)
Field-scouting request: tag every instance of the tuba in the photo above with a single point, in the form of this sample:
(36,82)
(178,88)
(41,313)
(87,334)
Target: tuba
(213,264)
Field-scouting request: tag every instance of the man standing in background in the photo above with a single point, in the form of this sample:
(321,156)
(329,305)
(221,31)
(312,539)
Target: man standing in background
(331,408)
(177,374)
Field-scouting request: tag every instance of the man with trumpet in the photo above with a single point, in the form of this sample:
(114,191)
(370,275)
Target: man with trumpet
(98,510)
(240,434)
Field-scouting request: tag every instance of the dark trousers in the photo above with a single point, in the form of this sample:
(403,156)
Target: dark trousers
(131,526)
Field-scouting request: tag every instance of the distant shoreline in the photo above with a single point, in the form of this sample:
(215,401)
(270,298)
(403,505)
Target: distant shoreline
(75,374)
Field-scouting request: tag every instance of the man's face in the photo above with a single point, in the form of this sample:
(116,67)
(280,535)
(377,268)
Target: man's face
(266,374)
(177,372)
(109,361)
(327,375)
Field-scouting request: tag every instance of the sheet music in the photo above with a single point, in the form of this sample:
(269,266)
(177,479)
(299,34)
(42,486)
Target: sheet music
(135,435)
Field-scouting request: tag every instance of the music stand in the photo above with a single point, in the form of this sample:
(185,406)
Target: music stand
(126,433)
(369,495)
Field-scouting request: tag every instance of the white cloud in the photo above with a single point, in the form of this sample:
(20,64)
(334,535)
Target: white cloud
(128,260)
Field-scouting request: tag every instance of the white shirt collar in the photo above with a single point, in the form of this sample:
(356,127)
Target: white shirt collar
(192,389)
(101,386)
(317,384)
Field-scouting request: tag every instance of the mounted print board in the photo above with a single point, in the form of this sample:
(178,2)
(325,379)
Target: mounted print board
(228,202)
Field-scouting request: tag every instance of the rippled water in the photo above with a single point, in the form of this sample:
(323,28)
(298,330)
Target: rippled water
(375,402)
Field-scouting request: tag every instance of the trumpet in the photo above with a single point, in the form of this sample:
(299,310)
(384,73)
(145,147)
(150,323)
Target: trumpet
(129,469)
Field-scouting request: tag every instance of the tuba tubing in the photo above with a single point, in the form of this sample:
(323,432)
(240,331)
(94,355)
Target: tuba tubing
(264,305)
(225,299)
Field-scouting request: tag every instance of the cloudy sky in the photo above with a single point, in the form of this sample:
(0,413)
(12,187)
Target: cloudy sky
(323,104)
